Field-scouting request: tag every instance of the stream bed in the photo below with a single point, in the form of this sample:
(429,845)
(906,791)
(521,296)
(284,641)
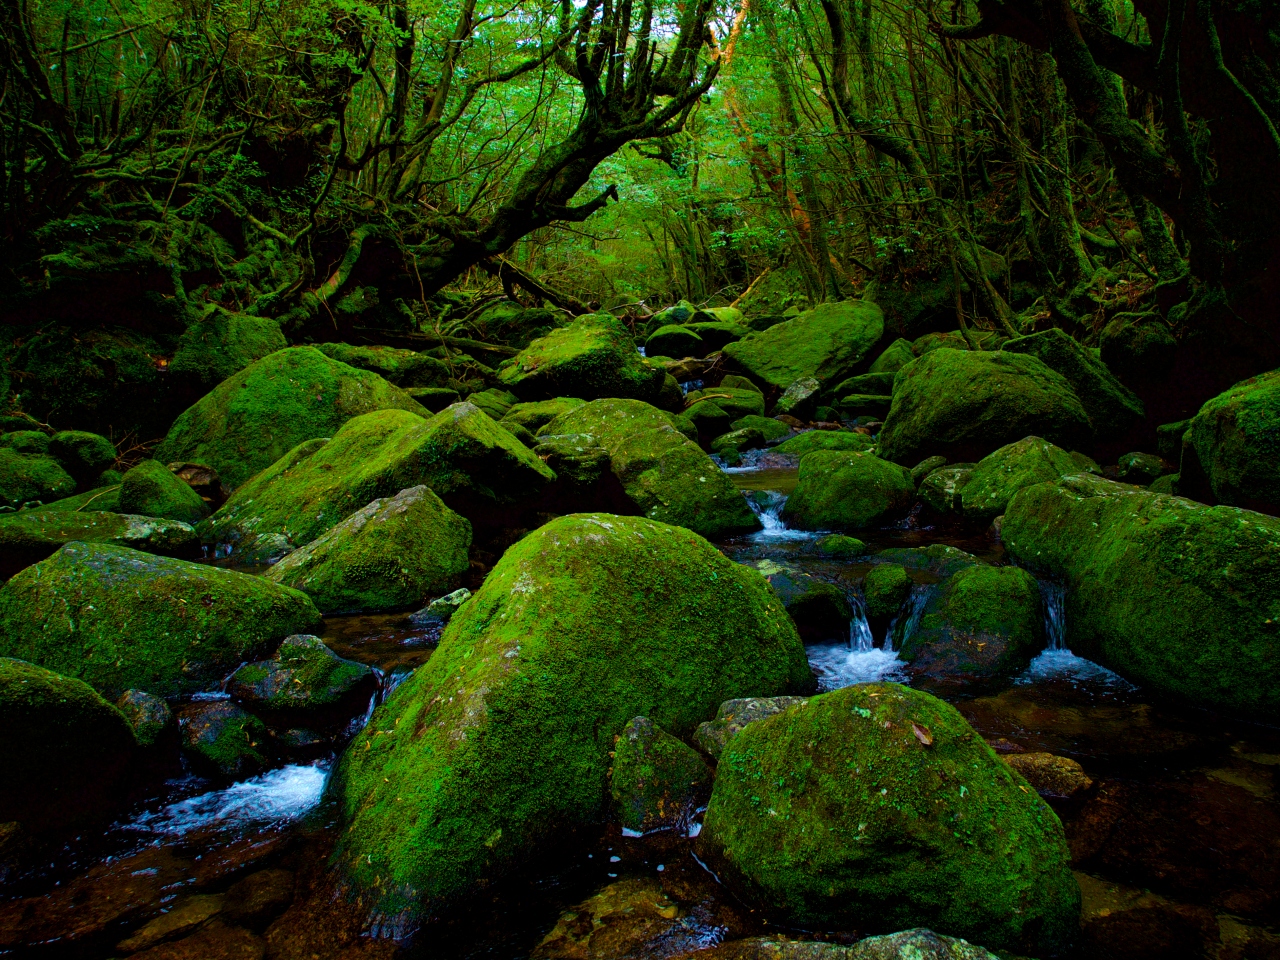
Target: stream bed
(1175,840)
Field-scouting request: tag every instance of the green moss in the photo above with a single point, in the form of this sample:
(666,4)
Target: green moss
(152,490)
(962,405)
(983,623)
(1112,407)
(514,325)
(305,678)
(874,384)
(717,334)
(64,750)
(840,545)
(819,609)
(223,344)
(30,442)
(664,474)
(999,475)
(84,455)
(737,440)
(24,479)
(839,440)
(886,588)
(940,559)
(826,343)
(1140,468)
(389,555)
(404,368)
(119,619)
(1172,594)
(29,536)
(1236,439)
(847,491)
(494,402)
(656,781)
(769,428)
(880,804)
(942,489)
(864,405)
(535,416)
(674,340)
(223,740)
(463,456)
(500,742)
(737,402)
(592,357)
(104,499)
(896,356)
(255,417)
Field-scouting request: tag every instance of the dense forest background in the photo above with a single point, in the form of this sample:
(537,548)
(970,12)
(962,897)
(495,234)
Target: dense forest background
(189,185)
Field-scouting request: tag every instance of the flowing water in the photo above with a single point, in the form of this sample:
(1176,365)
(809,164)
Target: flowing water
(1176,843)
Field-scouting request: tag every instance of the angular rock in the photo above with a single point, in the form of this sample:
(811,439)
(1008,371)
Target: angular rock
(942,489)
(733,716)
(30,536)
(1052,776)
(675,341)
(962,405)
(535,416)
(27,479)
(149,717)
(151,490)
(65,751)
(811,440)
(591,358)
(827,343)
(501,740)
(120,619)
(404,368)
(819,609)
(896,356)
(303,680)
(494,402)
(1141,468)
(252,419)
(880,801)
(1001,474)
(664,475)
(389,555)
(848,491)
(984,623)
(799,399)
(441,610)
(470,462)
(656,781)
(1169,593)
(222,740)
(1236,440)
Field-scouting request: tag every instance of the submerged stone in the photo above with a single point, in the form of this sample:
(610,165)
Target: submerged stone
(1169,593)
(628,918)
(656,781)
(500,742)
(1059,777)
(826,343)
(848,491)
(152,490)
(120,619)
(878,801)
(591,358)
(305,678)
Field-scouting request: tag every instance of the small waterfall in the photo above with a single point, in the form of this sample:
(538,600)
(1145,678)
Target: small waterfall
(860,638)
(1056,661)
(904,625)
(767,506)
(1054,596)
(690,385)
(857,661)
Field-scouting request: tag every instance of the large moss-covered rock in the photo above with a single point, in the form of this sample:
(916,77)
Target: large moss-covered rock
(848,491)
(119,619)
(252,419)
(878,804)
(656,781)
(984,623)
(389,555)
(30,536)
(1173,594)
(990,486)
(895,356)
(404,368)
(1112,407)
(534,416)
(461,454)
(26,478)
(1236,439)
(827,343)
(223,344)
(152,490)
(305,680)
(500,742)
(674,340)
(84,455)
(63,749)
(663,473)
(962,405)
(737,402)
(591,358)
(812,440)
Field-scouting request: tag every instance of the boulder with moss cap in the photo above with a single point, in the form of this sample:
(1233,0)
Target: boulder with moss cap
(848,491)
(878,801)
(1235,441)
(25,478)
(153,490)
(30,536)
(827,343)
(986,491)
(592,357)
(656,780)
(305,680)
(500,742)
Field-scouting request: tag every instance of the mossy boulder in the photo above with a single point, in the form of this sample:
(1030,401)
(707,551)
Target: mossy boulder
(962,405)
(990,486)
(25,479)
(848,491)
(500,742)
(30,536)
(820,610)
(1138,348)
(736,441)
(674,340)
(591,358)
(252,419)
(514,325)
(733,716)
(886,588)
(879,804)
(663,473)
(1175,595)
(468,460)
(149,717)
(940,559)
(389,555)
(102,499)
(494,402)
(717,334)
(304,681)
(65,751)
(1236,440)
(404,368)
(152,490)
(737,402)
(839,440)
(985,623)
(677,314)
(119,619)
(1141,468)
(942,489)
(84,455)
(769,428)
(222,740)
(841,546)
(875,406)
(799,399)
(30,442)
(534,416)
(827,343)
(1112,407)
(878,384)
(223,344)
(895,356)
(657,782)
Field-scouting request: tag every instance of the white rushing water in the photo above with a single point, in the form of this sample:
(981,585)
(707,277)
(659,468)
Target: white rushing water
(1056,661)
(859,660)
(271,798)
(770,515)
